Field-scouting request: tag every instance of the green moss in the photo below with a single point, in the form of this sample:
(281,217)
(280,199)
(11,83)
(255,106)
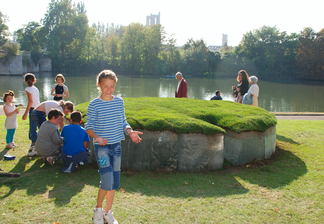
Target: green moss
(181,115)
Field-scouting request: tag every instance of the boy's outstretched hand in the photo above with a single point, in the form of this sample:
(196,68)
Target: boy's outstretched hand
(101,141)
(134,136)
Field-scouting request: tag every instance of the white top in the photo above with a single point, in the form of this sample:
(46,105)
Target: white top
(50,105)
(179,85)
(254,89)
(11,121)
(34,93)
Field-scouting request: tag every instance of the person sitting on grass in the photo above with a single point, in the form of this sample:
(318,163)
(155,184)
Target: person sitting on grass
(49,142)
(75,144)
(217,96)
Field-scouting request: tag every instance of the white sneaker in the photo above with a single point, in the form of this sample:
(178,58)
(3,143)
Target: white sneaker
(32,153)
(98,216)
(109,218)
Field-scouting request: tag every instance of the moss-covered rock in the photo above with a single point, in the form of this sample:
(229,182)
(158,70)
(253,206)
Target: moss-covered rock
(183,115)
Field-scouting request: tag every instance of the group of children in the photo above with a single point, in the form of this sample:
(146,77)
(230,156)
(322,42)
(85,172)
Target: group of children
(106,124)
(47,142)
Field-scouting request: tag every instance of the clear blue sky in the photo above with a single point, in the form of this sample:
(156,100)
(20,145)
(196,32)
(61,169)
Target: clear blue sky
(207,19)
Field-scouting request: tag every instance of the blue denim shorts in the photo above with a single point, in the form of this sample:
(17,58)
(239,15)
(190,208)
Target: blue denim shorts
(109,161)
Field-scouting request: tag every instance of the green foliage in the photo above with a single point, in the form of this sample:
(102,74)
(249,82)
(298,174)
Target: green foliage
(4,33)
(11,50)
(182,115)
(310,54)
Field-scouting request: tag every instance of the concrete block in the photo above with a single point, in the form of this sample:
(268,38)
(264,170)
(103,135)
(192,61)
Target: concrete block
(247,146)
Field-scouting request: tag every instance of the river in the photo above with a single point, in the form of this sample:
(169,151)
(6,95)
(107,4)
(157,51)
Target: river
(275,96)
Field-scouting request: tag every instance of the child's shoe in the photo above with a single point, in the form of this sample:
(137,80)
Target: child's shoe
(98,216)
(9,146)
(14,145)
(109,218)
(50,160)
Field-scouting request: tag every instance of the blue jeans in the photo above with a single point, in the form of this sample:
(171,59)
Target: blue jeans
(109,161)
(39,117)
(32,127)
(10,135)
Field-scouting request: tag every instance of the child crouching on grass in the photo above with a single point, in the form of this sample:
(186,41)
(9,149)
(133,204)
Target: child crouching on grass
(49,142)
(11,118)
(75,143)
(106,124)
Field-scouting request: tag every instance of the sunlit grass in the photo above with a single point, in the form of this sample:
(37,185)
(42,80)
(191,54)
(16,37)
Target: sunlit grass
(285,189)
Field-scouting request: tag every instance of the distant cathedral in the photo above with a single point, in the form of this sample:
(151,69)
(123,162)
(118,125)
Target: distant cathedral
(225,40)
(152,20)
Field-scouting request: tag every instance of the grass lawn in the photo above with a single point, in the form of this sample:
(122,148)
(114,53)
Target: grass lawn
(285,189)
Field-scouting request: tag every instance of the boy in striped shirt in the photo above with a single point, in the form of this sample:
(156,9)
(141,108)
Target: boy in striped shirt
(106,124)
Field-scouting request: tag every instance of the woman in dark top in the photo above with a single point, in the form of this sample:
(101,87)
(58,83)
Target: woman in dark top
(243,86)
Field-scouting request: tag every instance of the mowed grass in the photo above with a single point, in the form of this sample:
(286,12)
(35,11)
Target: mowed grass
(285,189)
(183,115)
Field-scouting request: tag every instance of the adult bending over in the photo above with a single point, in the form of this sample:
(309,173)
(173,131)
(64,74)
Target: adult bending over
(41,111)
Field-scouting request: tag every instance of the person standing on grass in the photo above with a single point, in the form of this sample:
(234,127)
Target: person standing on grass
(182,86)
(59,90)
(106,124)
(11,118)
(33,100)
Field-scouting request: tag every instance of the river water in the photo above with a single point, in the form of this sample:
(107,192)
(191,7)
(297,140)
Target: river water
(292,96)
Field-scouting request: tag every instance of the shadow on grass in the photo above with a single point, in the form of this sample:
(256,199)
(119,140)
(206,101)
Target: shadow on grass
(48,181)
(284,139)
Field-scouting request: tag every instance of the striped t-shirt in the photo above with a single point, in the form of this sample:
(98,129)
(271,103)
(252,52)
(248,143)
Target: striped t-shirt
(107,119)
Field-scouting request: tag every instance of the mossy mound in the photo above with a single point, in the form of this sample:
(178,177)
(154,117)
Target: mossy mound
(182,115)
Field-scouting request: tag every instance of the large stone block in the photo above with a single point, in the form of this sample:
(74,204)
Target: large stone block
(247,146)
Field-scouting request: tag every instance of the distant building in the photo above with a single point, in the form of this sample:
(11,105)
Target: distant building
(152,20)
(225,40)
(214,48)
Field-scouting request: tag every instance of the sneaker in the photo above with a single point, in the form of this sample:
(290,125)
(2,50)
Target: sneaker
(98,216)
(109,218)
(32,148)
(50,160)
(32,153)
(9,146)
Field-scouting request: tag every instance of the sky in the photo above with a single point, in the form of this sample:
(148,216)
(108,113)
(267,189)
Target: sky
(203,19)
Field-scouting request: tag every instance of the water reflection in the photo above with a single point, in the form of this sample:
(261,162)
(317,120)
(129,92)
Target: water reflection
(274,96)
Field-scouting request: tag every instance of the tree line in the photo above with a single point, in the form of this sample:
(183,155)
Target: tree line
(65,36)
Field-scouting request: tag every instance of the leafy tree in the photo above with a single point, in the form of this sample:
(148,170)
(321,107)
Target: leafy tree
(132,47)
(271,51)
(310,54)
(28,37)
(4,33)
(65,27)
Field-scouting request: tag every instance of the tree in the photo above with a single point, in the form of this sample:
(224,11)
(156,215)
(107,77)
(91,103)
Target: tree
(65,27)
(271,51)
(28,37)
(132,48)
(310,54)
(4,33)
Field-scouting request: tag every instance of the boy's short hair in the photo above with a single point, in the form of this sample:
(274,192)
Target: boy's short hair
(54,113)
(217,92)
(30,78)
(76,116)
